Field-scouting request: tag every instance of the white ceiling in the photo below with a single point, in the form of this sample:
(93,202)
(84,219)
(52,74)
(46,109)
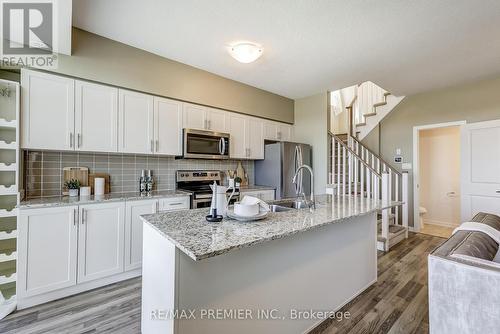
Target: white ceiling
(313,45)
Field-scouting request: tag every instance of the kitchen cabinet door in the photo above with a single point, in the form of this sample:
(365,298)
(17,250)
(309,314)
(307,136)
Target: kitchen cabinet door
(48,111)
(47,250)
(101,238)
(217,120)
(194,117)
(168,126)
(238,141)
(133,230)
(174,203)
(135,122)
(270,130)
(285,132)
(255,130)
(96,117)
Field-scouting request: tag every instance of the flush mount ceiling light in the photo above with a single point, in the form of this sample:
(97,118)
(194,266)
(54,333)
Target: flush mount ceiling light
(245,52)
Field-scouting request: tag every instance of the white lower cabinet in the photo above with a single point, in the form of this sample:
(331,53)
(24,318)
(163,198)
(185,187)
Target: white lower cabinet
(174,203)
(47,246)
(133,230)
(101,240)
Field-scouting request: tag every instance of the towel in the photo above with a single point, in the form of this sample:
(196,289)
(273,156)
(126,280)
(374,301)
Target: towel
(250,200)
(480,227)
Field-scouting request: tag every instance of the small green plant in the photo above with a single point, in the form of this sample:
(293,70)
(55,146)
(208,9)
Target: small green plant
(237,179)
(72,184)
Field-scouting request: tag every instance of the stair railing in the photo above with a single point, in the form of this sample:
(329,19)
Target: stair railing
(397,181)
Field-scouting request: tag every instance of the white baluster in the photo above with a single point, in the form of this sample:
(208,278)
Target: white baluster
(396,189)
(385,212)
(404,191)
(368,184)
(350,160)
(362,173)
(343,169)
(338,168)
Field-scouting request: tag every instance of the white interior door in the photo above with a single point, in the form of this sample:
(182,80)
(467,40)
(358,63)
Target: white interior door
(480,168)
(101,240)
(96,117)
(168,126)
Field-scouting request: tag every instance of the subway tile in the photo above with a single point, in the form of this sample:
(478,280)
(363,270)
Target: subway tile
(51,156)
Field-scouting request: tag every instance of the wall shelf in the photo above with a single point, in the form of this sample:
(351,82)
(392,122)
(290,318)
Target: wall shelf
(8,190)
(8,213)
(9,254)
(8,146)
(8,167)
(6,124)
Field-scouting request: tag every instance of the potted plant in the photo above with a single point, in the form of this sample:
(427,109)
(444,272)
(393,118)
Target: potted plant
(237,181)
(73,185)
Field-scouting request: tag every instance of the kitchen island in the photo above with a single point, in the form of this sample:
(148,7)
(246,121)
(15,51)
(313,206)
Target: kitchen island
(269,276)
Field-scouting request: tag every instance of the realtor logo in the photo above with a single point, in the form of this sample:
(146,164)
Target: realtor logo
(27,34)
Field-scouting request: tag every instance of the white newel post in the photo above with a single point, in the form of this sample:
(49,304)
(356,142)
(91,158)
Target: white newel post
(404,190)
(385,212)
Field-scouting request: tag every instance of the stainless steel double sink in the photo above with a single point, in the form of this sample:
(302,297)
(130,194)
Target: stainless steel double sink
(283,206)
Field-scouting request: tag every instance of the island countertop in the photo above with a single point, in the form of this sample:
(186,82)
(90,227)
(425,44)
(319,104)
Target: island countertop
(192,234)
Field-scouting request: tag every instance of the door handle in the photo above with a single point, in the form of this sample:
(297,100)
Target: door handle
(157,145)
(498,191)
(75,214)
(83,216)
(79,140)
(71,139)
(152,146)
(220,145)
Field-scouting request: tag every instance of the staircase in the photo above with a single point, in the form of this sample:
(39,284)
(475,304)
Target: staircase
(355,170)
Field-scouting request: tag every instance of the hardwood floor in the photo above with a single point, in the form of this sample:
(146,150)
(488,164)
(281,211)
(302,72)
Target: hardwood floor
(397,303)
(437,230)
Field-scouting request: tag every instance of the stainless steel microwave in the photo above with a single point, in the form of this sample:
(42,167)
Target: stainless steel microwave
(200,144)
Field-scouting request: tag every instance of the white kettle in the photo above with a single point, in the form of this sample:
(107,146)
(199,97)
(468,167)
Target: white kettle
(220,201)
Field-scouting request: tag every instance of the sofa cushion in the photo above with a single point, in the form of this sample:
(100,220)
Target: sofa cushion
(478,245)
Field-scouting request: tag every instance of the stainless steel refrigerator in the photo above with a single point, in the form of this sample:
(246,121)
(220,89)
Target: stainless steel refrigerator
(281,160)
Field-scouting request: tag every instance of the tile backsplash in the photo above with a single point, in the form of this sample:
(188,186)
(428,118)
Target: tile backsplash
(43,170)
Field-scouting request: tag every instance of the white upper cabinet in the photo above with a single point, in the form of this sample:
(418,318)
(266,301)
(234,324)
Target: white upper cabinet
(194,117)
(167,126)
(135,122)
(96,117)
(101,240)
(255,138)
(247,137)
(285,132)
(47,111)
(217,120)
(277,131)
(238,141)
(47,247)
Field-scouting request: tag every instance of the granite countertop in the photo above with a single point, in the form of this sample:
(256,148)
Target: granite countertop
(199,239)
(256,187)
(112,197)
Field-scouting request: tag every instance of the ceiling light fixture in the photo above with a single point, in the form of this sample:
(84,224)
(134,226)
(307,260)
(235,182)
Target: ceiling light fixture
(245,52)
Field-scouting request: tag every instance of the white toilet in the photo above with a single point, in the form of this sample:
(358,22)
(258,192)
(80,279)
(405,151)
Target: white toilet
(421,212)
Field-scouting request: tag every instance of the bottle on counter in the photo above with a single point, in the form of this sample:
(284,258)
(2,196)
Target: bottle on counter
(142,181)
(149,180)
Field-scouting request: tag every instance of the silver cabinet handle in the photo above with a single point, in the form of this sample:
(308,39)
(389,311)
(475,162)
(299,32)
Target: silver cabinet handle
(178,203)
(209,124)
(71,139)
(83,216)
(157,145)
(223,146)
(152,145)
(79,140)
(75,214)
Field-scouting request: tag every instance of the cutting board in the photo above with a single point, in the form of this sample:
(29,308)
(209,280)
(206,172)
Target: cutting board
(79,173)
(107,184)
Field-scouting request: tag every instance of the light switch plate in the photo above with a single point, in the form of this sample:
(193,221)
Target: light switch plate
(406,166)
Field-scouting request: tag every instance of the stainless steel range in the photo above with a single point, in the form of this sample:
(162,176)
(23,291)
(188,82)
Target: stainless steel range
(198,182)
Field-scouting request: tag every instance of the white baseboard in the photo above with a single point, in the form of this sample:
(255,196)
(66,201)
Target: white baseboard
(439,223)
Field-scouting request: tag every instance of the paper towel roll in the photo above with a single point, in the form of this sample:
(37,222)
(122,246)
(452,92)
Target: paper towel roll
(99,186)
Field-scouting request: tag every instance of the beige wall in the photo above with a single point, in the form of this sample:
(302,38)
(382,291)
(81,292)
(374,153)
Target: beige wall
(103,60)
(311,127)
(438,179)
(475,102)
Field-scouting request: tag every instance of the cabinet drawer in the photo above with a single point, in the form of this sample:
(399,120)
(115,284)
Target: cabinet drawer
(174,203)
